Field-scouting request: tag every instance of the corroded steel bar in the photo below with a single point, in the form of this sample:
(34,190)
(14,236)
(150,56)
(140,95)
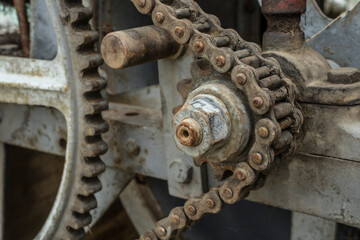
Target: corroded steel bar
(137,46)
(24,26)
(278,7)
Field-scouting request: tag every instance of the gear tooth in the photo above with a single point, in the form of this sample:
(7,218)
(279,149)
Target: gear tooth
(96,125)
(96,103)
(93,167)
(90,60)
(85,204)
(95,146)
(80,15)
(94,84)
(90,186)
(80,220)
(88,39)
(75,234)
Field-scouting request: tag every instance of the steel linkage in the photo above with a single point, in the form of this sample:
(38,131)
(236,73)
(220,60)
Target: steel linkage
(270,94)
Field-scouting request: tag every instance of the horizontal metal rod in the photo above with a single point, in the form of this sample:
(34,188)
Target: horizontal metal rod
(136,46)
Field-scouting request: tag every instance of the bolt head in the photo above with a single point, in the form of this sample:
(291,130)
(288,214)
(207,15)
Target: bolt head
(191,210)
(257,158)
(141,3)
(220,60)
(210,203)
(189,132)
(179,31)
(160,17)
(258,102)
(241,175)
(228,193)
(241,78)
(199,46)
(161,231)
(263,132)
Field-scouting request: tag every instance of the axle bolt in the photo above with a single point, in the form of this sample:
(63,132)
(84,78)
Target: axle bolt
(263,132)
(220,61)
(241,78)
(210,203)
(175,219)
(141,3)
(241,175)
(179,31)
(258,102)
(257,158)
(159,16)
(228,193)
(161,231)
(199,47)
(192,210)
(189,132)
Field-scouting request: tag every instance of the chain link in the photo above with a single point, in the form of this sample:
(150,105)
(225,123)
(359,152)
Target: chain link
(270,94)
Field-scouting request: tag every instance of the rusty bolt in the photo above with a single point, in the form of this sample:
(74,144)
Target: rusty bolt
(161,231)
(175,219)
(179,31)
(241,78)
(192,210)
(257,158)
(220,61)
(199,46)
(141,3)
(241,175)
(132,148)
(263,132)
(189,132)
(210,203)
(228,193)
(258,102)
(160,17)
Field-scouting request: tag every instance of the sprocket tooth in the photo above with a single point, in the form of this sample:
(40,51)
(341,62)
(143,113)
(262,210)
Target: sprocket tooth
(80,220)
(95,146)
(80,15)
(85,204)
(93,167)
(90,186)
(96,125)
(95,83)
(96,103)
(87,39)
(89,60)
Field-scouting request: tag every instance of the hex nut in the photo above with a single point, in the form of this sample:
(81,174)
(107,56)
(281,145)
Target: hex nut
(180,171)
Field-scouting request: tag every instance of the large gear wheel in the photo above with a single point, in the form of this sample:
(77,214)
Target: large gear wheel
(70,83)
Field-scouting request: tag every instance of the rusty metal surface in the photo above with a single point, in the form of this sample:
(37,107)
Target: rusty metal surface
(286,7)
(136,46)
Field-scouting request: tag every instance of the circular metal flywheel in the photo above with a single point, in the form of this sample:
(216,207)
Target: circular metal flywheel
(71,84)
